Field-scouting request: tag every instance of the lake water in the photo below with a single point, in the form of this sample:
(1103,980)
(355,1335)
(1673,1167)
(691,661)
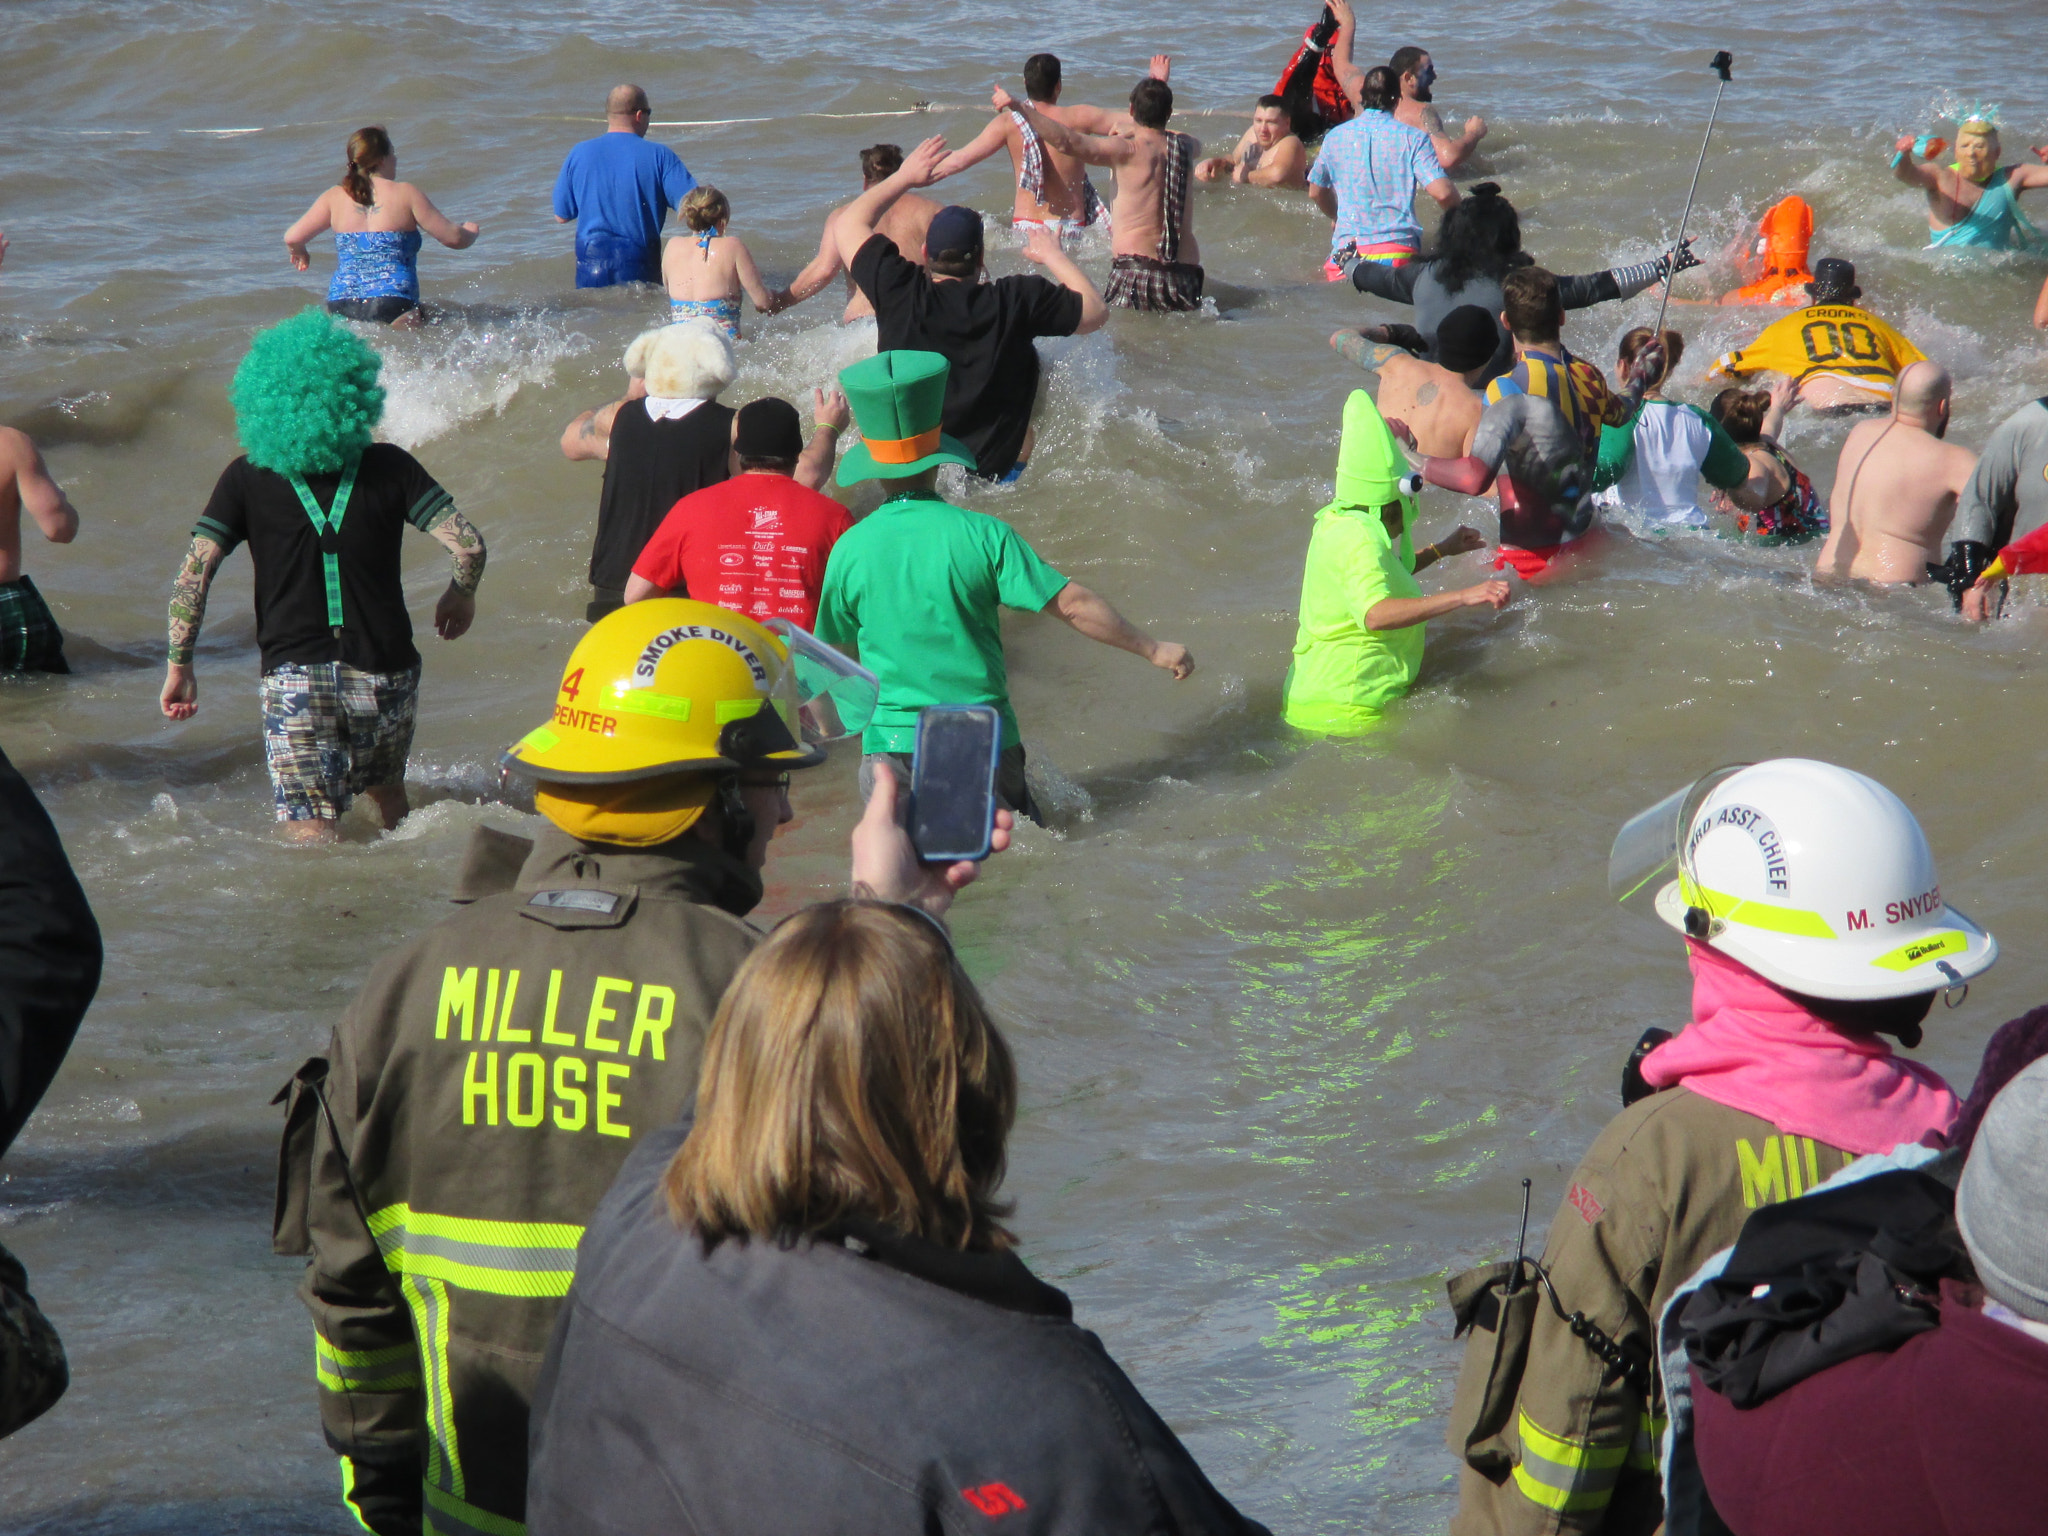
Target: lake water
(1294,1018)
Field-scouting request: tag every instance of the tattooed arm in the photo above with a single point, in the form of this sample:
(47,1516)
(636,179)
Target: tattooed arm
(457,607)
(180,698)
(589,436)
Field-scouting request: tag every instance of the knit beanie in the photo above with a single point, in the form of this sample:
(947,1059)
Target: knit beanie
(2002,1201)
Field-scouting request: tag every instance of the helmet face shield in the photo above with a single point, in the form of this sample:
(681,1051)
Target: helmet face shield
(1648,846)
(833,695)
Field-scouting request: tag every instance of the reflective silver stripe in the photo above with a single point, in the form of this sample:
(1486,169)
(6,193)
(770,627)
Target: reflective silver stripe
(487,1255)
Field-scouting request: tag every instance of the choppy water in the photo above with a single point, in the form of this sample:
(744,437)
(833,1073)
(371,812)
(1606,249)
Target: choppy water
(1294,1018)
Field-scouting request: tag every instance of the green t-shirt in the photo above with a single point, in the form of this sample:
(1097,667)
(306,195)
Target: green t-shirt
(914,588)
(1344,674)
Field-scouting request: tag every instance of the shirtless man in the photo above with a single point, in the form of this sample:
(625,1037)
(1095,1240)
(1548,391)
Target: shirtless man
(1896,487)
(1441,404)
(1417,75)
(1053,189)
(29,638)
(1269,155)
(1976,203)
(1156,264)
(905,223)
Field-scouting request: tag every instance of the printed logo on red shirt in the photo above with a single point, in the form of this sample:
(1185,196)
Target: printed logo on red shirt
(994,1499)
(1582,1201)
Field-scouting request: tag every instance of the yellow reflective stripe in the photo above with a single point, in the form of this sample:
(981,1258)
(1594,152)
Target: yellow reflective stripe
(642,701)
(446,1515)
(540,739)
(738,709)
(1757,914)
(1648,1449)
(502,1258)
(429,1301)
(1565,1475)
(1929,946)
(394,1369)
(348,1494)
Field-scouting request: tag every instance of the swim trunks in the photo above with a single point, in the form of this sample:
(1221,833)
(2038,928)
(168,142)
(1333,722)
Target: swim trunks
(1031,182)
(1064,230)
(724,313)
(29,638)
(331,732)
(604,261)
(1162,284)
(1381,253)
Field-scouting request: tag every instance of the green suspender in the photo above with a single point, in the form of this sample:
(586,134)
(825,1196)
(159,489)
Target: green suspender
(328,526)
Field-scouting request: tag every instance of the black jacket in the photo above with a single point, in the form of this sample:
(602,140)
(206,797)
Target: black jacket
(871,1384)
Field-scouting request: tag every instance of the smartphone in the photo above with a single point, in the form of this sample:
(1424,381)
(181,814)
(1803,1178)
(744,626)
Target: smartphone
(953,782)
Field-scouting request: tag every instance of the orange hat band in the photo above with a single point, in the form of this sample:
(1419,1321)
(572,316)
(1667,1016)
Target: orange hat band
(903,450)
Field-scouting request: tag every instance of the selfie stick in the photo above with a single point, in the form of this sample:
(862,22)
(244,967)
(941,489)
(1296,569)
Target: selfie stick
(1721,63)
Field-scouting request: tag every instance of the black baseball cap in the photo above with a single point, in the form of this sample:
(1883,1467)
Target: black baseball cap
(1465,338)
(954,229)
(769,429)
(1834,281)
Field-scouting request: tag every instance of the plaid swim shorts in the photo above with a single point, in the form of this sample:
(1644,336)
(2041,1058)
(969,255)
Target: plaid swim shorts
(29,638)
(331,732)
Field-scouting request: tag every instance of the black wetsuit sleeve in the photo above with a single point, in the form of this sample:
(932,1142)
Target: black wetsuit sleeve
(1587,289)
(49,952)
(1383,281)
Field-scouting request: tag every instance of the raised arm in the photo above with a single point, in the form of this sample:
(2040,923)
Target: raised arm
(856,224)
(831,414)
(1909,167)
(1043,247)
(41,496)
(1089,148)
(1350,78)
(1090,615)
(977,149)
(180,697)
(456,610)
(316,220)
(457,237)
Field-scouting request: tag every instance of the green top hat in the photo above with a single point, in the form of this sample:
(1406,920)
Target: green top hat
(898,399)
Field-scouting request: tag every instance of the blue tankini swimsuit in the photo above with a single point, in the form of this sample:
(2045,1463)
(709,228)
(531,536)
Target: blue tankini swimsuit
(722,312)
(377,275)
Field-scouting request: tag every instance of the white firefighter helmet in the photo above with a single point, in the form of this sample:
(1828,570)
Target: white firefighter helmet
(1815,877)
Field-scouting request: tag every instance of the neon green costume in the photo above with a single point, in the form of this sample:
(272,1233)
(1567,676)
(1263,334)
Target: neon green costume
(1344,675)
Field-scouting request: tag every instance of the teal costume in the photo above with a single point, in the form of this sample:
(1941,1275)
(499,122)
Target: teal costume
(1996,223)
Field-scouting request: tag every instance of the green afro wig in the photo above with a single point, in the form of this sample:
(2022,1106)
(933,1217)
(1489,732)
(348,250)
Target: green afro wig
(306,397)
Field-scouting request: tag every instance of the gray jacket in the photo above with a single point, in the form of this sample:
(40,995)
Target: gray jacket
(861,1382)
(2007,497)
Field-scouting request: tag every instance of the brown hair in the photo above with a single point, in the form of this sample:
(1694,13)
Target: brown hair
(368,148)
(705,208)
(879,162)
(1529,300)
(1633,342)
(1151,103)
(1741,412)
(1379,89)
(852,1071)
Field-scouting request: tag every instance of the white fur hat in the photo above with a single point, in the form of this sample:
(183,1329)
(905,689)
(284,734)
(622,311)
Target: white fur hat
(688,361)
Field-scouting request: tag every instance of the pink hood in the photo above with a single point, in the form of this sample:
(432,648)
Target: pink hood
(1752,1048)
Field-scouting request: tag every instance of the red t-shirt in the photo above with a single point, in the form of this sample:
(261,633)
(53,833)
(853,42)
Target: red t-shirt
(756,544)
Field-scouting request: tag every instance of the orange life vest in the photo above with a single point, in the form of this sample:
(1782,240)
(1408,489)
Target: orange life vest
(1315,101)
(1783,239)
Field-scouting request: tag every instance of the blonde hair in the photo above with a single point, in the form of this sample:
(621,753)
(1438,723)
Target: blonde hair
(852,1071)
(705,208)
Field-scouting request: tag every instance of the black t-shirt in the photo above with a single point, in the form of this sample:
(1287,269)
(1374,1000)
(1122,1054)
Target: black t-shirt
(984,330)
(260,507)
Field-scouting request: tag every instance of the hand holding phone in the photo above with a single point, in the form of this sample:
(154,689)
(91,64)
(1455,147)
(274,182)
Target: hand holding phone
(953,782)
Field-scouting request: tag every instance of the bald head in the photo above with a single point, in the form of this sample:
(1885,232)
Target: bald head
(1923,391)
(625,101)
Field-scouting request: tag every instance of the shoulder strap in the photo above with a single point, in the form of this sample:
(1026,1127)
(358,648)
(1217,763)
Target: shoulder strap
(328,526)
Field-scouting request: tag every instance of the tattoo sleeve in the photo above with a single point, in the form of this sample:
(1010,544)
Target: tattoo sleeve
(188,598)
(459,537)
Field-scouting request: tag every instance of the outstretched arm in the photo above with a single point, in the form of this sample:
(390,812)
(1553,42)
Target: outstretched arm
(977,149)
(1452,152)
(316,220)
(1080,608)
(920,168)
(180,697)
(456,610)
(43,498)
(766,300)
(457,237)
(1350,78)
(1089,148)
